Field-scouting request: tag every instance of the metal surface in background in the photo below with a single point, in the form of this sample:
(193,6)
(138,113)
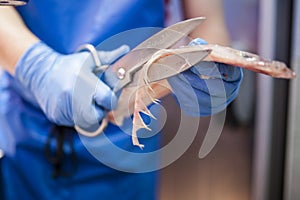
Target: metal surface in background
(266,38)
(283,47)
(271,118)
(292,164)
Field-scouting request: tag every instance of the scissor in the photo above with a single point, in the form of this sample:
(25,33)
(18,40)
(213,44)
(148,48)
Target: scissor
(127,69)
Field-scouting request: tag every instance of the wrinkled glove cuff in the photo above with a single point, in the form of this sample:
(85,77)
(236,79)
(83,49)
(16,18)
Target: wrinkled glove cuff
(31,61)
(24,71)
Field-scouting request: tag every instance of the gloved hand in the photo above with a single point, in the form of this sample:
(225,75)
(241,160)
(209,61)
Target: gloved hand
(218,86)
(65,87)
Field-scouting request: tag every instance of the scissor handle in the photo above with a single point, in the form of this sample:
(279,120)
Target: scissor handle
(99,69)
(101,128)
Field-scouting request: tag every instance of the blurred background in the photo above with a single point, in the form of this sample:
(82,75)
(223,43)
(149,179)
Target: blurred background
(258,154)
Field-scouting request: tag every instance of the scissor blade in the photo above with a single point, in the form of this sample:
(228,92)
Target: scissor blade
(172,34)
(134,60)
(175,64)
(171,65)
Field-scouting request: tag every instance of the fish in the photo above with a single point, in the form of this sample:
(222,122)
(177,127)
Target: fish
(135,100)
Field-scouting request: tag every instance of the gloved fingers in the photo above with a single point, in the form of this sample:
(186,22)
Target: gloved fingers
(213,70)
(209,69)
(192,101)
(99,112)
(187,79)
(230,73)
(104,96)
(207,87)
(202,97)
(108,57)
(197,41)
(89,119)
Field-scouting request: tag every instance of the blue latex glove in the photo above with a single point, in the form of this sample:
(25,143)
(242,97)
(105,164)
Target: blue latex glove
(65,87)
(207,96)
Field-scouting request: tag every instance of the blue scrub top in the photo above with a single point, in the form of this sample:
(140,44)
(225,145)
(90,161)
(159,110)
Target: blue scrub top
(24,129)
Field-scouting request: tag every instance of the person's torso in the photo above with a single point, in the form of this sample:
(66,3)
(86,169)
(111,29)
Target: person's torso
(64,25)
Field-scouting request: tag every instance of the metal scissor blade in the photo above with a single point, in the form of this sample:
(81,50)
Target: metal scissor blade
(172,34)
(170,65)
(134,60)
(175,64)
